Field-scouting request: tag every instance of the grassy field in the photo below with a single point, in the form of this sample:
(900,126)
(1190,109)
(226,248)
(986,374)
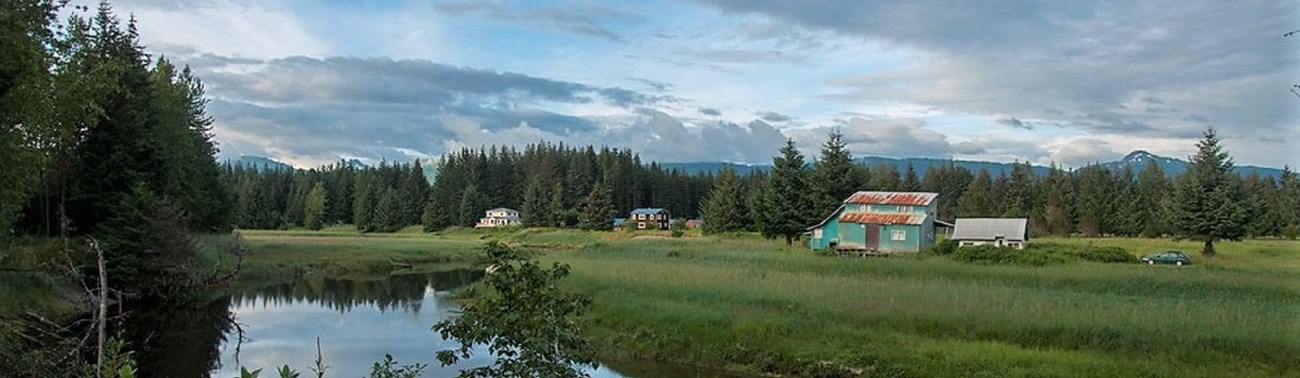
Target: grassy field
(281,254)
(751,305)
(754,306)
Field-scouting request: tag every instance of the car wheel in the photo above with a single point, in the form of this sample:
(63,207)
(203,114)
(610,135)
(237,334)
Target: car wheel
(1180,263)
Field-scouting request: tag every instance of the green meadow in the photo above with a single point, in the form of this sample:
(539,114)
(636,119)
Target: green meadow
(752,306)
(749,305)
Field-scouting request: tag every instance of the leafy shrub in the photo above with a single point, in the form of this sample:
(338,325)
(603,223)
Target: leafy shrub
(1005,256)
(1105,255)
(1086,252)
(942,248)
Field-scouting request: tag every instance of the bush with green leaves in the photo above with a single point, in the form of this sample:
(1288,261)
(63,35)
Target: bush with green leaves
(986,254)
(527,323)
(941,248)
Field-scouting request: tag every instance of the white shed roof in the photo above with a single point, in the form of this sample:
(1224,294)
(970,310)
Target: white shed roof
(989,228)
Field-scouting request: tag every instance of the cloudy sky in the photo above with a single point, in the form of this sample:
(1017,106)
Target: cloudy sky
(310,82)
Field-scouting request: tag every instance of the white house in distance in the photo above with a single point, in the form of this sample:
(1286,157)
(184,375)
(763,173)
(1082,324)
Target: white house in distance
(998,232)
(499,217)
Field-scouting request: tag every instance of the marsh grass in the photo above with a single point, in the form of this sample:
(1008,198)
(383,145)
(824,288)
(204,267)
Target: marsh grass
(756,306)
(742,303)
(293,254)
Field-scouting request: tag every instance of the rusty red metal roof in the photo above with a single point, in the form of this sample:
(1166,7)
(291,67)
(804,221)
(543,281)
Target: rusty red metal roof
(892,198)
(882,218)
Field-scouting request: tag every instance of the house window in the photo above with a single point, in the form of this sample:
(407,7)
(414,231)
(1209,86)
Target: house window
(904,209)
(898,235)
(817,234)
(640,225)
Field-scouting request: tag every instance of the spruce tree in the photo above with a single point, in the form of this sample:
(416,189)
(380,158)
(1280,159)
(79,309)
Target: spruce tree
(389,214)
(977,199)
(597,210)
(1260,202)
(1096,200)
(725,209)
(429,219)
(472,205)
(787,202)
(557,209)
(1207,206)
(363,208)
(1125,208)
(314,207)
(1288,203)
(832,181)
(535,209)
(885,178)
(910,183)
(1152,188)
(1058,206)
(414,192)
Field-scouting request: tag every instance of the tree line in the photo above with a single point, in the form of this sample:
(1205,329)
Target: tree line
(552,184)
(100,139)
(563,186)
(1208,202)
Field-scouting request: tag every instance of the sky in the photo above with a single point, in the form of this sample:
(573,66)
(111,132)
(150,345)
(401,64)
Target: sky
(1066,82)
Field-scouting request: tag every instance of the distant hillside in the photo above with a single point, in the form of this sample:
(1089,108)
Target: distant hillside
(713,167)
(1136,159)
(1172,167)
(921,164)
(260,163)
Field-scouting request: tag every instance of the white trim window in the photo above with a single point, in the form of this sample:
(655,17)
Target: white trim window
(898,235)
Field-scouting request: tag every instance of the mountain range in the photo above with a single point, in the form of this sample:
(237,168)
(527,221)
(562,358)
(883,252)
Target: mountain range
(1137,160)
(262,163)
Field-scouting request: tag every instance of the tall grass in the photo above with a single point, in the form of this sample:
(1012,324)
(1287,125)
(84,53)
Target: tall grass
(748,303)
(292,254)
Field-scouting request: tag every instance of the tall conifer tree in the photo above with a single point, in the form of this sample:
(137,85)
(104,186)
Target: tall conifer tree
(725,209)
(787,203)
(1207,207)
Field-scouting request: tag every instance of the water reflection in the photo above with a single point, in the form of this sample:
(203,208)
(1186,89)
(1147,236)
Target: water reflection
(403,292)
(357,321)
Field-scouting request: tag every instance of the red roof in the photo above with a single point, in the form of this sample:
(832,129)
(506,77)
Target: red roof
(882,218)
(891,198)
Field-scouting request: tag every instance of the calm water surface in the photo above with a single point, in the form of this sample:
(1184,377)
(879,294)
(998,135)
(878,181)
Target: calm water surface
(357,321)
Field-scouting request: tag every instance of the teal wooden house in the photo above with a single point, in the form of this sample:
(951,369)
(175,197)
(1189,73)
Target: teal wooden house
(879,222)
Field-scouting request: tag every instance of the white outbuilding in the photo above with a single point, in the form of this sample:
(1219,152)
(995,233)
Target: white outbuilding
(998,232)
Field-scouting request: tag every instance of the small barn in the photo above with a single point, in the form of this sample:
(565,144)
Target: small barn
(878,222)
(997,232)
(650,218)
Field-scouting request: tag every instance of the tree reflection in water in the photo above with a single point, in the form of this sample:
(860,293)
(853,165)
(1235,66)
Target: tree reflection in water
(186,342)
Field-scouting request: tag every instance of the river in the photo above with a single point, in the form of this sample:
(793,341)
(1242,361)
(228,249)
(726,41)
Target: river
(356,321)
